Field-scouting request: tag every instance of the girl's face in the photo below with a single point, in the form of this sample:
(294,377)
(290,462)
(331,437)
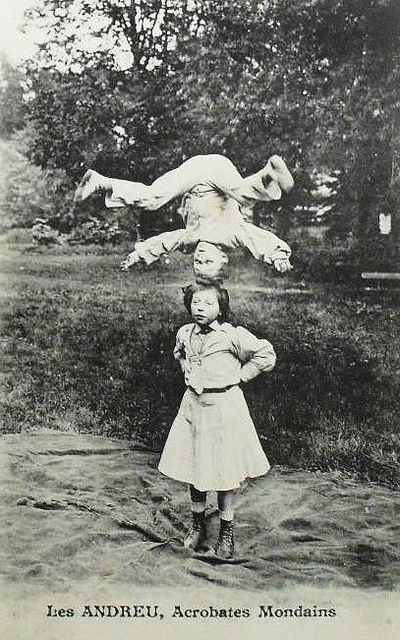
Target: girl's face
(205,306)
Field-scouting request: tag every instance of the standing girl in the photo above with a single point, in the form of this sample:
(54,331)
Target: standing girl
(213,444)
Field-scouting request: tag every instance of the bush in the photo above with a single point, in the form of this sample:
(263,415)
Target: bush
(321,260)
(44,235)
(96,231)
(28,191)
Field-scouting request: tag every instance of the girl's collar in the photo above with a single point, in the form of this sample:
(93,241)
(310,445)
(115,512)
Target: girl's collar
(214,325)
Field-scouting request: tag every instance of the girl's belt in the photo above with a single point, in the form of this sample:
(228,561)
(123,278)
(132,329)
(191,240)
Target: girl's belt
(213,389)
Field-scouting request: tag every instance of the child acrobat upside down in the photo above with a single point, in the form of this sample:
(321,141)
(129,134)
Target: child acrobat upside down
(214,196)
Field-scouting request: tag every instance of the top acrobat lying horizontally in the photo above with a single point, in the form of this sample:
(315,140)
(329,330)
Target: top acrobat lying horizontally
(214,196)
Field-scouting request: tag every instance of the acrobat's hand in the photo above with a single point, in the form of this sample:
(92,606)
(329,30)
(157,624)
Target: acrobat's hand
(130,260)
(282,265)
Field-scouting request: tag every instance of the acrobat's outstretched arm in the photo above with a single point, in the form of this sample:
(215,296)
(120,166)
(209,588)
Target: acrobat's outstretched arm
(153,248)
(264,246)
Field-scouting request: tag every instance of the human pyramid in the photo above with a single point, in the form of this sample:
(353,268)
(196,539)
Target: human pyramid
(212,444)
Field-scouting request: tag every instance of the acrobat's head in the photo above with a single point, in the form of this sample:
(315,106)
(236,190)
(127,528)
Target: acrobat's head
(209,262)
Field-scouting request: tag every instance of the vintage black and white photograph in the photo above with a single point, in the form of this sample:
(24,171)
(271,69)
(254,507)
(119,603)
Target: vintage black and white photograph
(200,364)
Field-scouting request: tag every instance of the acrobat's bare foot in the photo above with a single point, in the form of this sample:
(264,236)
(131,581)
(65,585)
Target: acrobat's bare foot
(282,265)
(92,182)
(130,260)
(277,170)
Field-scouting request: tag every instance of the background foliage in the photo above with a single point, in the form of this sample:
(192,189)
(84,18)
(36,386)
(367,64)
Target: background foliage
(131,88)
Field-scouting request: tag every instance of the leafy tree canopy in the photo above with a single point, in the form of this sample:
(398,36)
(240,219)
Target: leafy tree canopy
(132,87)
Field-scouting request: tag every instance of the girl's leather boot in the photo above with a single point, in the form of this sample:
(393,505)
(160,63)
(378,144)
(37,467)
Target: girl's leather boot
(225,546)
(197,533)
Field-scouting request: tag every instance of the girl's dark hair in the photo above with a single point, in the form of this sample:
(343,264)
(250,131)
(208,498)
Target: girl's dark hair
(222,297)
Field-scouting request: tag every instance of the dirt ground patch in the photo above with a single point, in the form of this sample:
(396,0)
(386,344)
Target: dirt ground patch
(75,505)
(90,515)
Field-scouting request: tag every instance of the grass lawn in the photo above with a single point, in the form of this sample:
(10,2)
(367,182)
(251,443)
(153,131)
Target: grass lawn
(87,348)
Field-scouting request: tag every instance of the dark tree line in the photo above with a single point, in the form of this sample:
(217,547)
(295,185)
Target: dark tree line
(314,80)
